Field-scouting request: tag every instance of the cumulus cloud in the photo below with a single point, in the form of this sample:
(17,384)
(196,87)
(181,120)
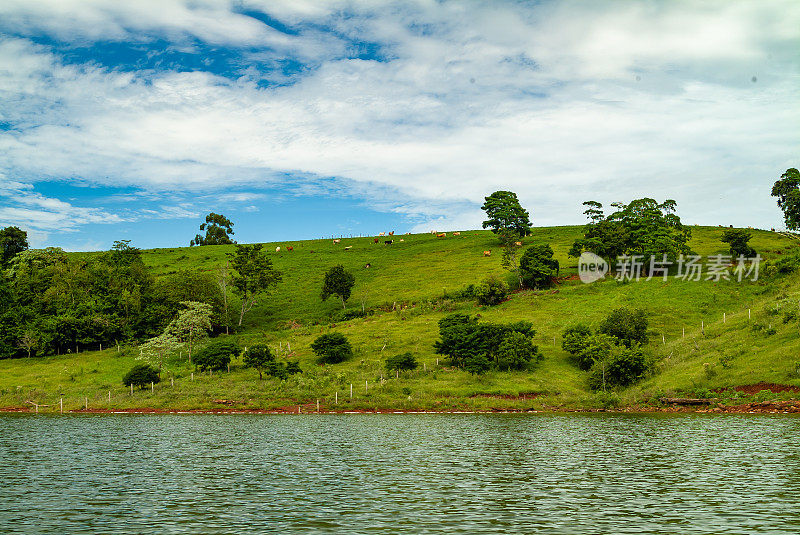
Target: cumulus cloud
(560,102)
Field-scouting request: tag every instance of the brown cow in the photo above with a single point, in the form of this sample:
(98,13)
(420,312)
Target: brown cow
(442,235)
(289,248)
(391,233)
(518,243)
(337,240)
(456,234)
(487,253)
(377,240)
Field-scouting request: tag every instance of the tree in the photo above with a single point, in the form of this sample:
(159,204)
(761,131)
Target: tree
(737,238)
(642,227)
(13,240)
(620,366)
(491,291)
(223,275)
(574,338)
(254,274)
(155,349)
(217,355)
(259,357)
(627,324)
(510,242)
(192,322)
(332,348)
(29,341)
(338,282)
(517,352)
(219,230)
(505,214)
(788,194)
(405,361)
(537,266)
(141,375)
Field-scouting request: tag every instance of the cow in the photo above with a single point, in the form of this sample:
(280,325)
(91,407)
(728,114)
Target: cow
(277,249)
(337,240)
(456,234)
(391,233)
(367,266)
(442,235)
(377,240)
(290,248)
(487,253)
(388,242)
(348,247)
(382,234)
(518,243)
(402,240)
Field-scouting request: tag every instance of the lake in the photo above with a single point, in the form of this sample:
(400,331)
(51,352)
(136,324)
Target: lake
(437,473)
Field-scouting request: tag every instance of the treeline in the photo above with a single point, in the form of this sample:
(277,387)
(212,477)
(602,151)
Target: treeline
(54,303)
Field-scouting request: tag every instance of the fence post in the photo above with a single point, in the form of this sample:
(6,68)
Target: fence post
(317,406)
(131,389)
(351,390)
(61,405)
(337,397)
(192,376)
(172,382)
(748,313)
(724,318)
(152,387)
(109,396)
(86,403)
(684,333)
(366,387)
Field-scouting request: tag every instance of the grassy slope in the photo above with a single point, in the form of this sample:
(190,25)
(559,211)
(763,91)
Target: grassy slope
(414,274)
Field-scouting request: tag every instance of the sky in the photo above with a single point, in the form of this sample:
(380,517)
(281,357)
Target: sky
(302,119)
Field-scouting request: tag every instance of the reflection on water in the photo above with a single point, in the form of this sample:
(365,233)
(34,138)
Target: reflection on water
(569,474)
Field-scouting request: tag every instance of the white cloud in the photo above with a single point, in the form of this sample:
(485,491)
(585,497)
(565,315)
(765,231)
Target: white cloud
(542,100)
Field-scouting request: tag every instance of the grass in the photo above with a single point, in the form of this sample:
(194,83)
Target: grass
(407,283)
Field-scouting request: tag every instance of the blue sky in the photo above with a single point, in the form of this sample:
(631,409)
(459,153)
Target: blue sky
(132,120)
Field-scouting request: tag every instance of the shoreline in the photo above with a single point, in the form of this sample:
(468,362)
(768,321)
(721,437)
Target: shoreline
(765,407)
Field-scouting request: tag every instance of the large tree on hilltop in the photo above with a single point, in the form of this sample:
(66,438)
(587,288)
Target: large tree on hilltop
(219,230)
(505,214)
(788,193)
(13,240)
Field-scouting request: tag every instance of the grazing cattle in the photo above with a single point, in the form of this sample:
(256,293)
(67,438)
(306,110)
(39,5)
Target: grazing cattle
(382,234)
(348,247)
(377,240)
(388,242)
(487,253)
(456,234)
(391,233)
(277,249)
(290,248)
(367,266)
(337,241)
(402,240)
(442,235)
(773,230)
(518,243)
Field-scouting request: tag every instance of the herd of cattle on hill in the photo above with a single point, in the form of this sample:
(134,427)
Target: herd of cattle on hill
(390,242)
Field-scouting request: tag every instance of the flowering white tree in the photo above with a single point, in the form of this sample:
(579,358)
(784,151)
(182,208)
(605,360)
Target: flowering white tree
(193,322)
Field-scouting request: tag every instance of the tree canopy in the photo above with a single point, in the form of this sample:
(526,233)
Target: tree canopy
(505,214)
(339,282)
(219,230)
(13,240)
(787,190)
(738,239)
(537,267)
(253,274)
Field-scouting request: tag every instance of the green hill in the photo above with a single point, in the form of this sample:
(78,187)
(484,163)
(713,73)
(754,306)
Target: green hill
(410,285)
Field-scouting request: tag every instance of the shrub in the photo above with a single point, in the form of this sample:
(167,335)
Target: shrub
(627,324)
(574,338)
(351,314)
(621,367)
(537,267)
(406,361)
(217,355)
(595,347)
(737,239)
(517,352)
(491,291)
(332,348)
(476,364)
(258,356)
(141,375)
(293,367)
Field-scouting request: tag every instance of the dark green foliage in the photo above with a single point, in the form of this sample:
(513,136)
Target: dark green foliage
(737,239)
(339,282)
(13,240)
(470,344)
(216,355)
(141,375)
(621,367)
(505,214)
(788,194)
(593,348)
(169,291)
(574,338)
(517,352)
(351,314)
(219,230)
(627,324)
(783,266)
(293,367)
(405,361)
(332,348)
(492,291)
(642,227)
(537,267)
(258,356)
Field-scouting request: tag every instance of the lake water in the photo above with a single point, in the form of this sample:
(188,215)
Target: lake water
(571,474)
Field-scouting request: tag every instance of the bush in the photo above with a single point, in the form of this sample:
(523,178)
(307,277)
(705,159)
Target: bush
(621,367)
(492,291)
(517,352)
(537,267)
(737,239)
(596,347)
(406,361)
(627,324)
(476,364)
(574,338)
(351,314)
(258,356)
(141,375)
(332,348)
(216,355)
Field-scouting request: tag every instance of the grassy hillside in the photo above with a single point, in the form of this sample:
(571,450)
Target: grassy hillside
(407,283)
